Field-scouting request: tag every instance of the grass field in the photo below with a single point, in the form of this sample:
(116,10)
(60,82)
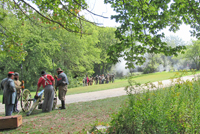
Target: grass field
(71,120)
(120,83)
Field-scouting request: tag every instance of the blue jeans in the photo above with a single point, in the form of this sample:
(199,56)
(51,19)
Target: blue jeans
(9,109)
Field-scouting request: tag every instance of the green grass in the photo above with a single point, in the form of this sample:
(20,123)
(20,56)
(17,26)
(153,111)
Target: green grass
(76,117)
(120,83)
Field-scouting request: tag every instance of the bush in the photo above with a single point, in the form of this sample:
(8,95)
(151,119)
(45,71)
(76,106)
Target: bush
(75,82)
(168,110)
(32,88)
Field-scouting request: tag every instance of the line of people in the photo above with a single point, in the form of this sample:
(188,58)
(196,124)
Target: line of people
(98,79)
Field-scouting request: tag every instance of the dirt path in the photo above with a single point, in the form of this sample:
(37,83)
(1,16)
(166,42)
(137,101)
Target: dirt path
(90,96)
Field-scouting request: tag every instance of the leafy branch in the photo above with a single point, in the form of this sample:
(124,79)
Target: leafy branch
(49,18)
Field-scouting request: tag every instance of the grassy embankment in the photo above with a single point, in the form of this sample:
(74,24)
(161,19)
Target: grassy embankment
(174,109)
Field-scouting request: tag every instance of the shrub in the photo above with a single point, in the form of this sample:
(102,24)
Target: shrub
(175,109)
(75,82)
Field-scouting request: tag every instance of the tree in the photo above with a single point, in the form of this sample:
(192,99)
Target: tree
(43,14)
(40,48)
(78,54)
(153,61)
(11,43)
(106,37)
(146,19)
(74,54)
(172,41)
(193,53)
(62,12)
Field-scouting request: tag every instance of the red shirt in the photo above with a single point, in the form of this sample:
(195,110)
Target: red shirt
(44,82)
(88,80)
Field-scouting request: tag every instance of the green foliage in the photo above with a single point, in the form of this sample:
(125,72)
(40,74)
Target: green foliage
(153,63)
(167,110)
(74,54)
(11,45)
(62,12)
(43,14)
(106,38)
(78,54)
(75,82)
(193,53)
(143,21)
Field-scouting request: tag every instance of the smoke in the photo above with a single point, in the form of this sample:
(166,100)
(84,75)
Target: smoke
(119,68)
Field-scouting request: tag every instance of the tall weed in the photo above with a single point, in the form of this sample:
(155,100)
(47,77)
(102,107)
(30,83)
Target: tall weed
(175,109)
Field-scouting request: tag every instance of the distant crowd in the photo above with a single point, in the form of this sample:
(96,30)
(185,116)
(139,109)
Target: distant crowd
(98,79)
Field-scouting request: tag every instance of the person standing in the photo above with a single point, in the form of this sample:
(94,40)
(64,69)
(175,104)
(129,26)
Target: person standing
(83,81)
(62,83)
(103,78)
(87,78)
(9,93)
(19,86)
(113,78)
(91,81)
(110,78)
(48,83)
(96,79)
(107,78)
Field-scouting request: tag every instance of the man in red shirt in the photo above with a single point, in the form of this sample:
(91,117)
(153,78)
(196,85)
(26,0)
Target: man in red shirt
(87,81)
(48,83)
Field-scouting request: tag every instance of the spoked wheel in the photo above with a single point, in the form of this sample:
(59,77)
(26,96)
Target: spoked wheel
(26,100)
(55,101)
(35,104)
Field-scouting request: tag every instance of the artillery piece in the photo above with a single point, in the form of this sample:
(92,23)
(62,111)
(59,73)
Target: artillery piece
(28,104)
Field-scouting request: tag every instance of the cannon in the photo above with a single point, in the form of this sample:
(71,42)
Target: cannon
(29,104)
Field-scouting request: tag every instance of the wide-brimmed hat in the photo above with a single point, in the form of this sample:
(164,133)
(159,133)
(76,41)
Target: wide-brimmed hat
(43,73)
(59,69)
(16,74)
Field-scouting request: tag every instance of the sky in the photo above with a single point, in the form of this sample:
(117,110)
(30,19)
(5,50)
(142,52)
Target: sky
(98,7)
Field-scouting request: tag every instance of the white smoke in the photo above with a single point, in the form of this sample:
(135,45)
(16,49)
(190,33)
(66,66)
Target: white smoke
(120,67)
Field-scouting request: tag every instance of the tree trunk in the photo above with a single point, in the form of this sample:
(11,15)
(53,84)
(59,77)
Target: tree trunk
(103,68)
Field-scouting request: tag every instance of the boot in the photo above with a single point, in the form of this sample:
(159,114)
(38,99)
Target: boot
(63,105)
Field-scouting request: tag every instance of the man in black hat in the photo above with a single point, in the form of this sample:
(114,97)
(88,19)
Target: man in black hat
(62,83)
(19,86)
(48,83)
(9,93)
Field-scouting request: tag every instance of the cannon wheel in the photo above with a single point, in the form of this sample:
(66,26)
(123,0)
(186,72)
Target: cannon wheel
(26,100)
(55,101)
(35,104)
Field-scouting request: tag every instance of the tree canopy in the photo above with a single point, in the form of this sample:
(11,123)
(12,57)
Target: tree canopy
(144,21)
(44,14)
(76,55)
